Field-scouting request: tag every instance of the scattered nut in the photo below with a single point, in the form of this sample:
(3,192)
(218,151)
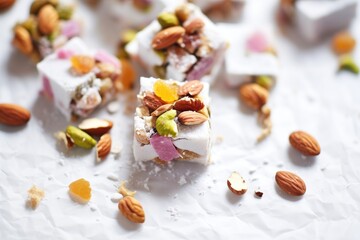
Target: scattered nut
(95,126)
(35,195)
(237,184)
(290,183)
(103,147)
(253,95)
(304,143)
(13,115)
(130,207)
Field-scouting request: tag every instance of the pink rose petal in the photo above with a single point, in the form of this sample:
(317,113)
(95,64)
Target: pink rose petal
(257,42)
(201,68)
(104,57)
(71,29)
(47,90)
(65,53)
(164,147)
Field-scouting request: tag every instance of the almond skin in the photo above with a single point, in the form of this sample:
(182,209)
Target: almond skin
(188,104)
(304,143)
(191,118)
(13,115)
(253,95)
(48,19)
(152,101)
(94,126)
(194,26)
(161,110)
(103,147)
(6,3)
(167,37)
(191,88)
(290,183)
(22,40)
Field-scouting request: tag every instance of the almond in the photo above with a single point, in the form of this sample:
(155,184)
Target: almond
(152,101)
(191,88)
(141,137)
(48,19)
(191,118)
(95,126)
(167,37)
(194,25)
(66,139)
(253,95)
(188,104)
(22,40)
(186,155)
(161,110)
(290,183)
(13,115)
(304,143)
(103,147)
(6,3)
(237,184)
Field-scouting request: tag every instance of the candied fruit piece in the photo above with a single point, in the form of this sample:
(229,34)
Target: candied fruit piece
(128,74)
(343,43)
(80,191)
(167,92)
(82,64)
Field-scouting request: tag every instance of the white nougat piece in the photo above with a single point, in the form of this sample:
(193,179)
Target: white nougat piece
(316,19)
(240,64)
(196,138)
(140,49)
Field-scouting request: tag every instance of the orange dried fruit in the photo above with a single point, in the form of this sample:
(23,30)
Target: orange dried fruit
(343,43)
(167,92)
(80,191)
(128,74)
(82,64)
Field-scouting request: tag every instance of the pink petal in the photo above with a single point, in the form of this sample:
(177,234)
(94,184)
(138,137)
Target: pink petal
(257,42)
(47,90)
(65,53)
(71,29)
(104,57)
(164,147)
(201,68)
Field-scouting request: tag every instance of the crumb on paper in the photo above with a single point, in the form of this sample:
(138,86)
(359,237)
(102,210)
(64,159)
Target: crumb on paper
(116,149)
(113,177)
(174,213)
(35,195)
(258,193)
(219,139)
(116,197)
(182,181)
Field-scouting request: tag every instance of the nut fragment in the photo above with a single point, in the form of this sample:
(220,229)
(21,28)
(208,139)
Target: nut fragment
(80,138)
(103,147)
(167,37)
(22,40)
(194,25)
(61,136)
(13,115)
(186,155)
(130,207)
(189,104)
(192,88)
(35,195)
(258,193)
(191,118)
(304,143)
(237,184)
(95,126)
(48,19)
(290,183)
(141,136)
(253,95)
(161,110)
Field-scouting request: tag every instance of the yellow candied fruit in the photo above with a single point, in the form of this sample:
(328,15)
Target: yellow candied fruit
(167,92)
(128,74)
(343,43)
(80,190)
(82,64)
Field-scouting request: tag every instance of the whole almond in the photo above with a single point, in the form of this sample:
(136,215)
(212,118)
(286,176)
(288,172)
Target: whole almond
(304,143)
(48,19)
(95,126)
(191,118)
(103,147)
(194,25)
(6,3)
(161,110)
(151,101)
(22,40)
(253,95)
(290,183)
(191,88)
(13,115)
(167,37)
(188,104)
(132,209)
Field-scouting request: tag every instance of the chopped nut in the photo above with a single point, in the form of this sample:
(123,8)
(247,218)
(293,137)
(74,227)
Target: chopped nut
(35,195)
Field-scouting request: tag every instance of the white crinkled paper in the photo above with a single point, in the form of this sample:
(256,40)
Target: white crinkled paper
(189,201)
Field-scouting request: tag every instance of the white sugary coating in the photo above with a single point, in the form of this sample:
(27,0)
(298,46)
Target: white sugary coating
(127,13)
(315,19)
(140,48)
(241,65)
(192,138)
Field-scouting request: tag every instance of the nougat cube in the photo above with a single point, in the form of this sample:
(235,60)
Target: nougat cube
(79,79)
(172,121)
(194,49)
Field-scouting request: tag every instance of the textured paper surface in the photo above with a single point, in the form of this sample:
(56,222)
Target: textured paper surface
(188,201)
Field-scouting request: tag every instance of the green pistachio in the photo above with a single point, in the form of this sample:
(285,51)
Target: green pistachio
(80,138)
(65,12)
(264,81)
(167,20)
(165,124)
(348,63)
(38,4)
